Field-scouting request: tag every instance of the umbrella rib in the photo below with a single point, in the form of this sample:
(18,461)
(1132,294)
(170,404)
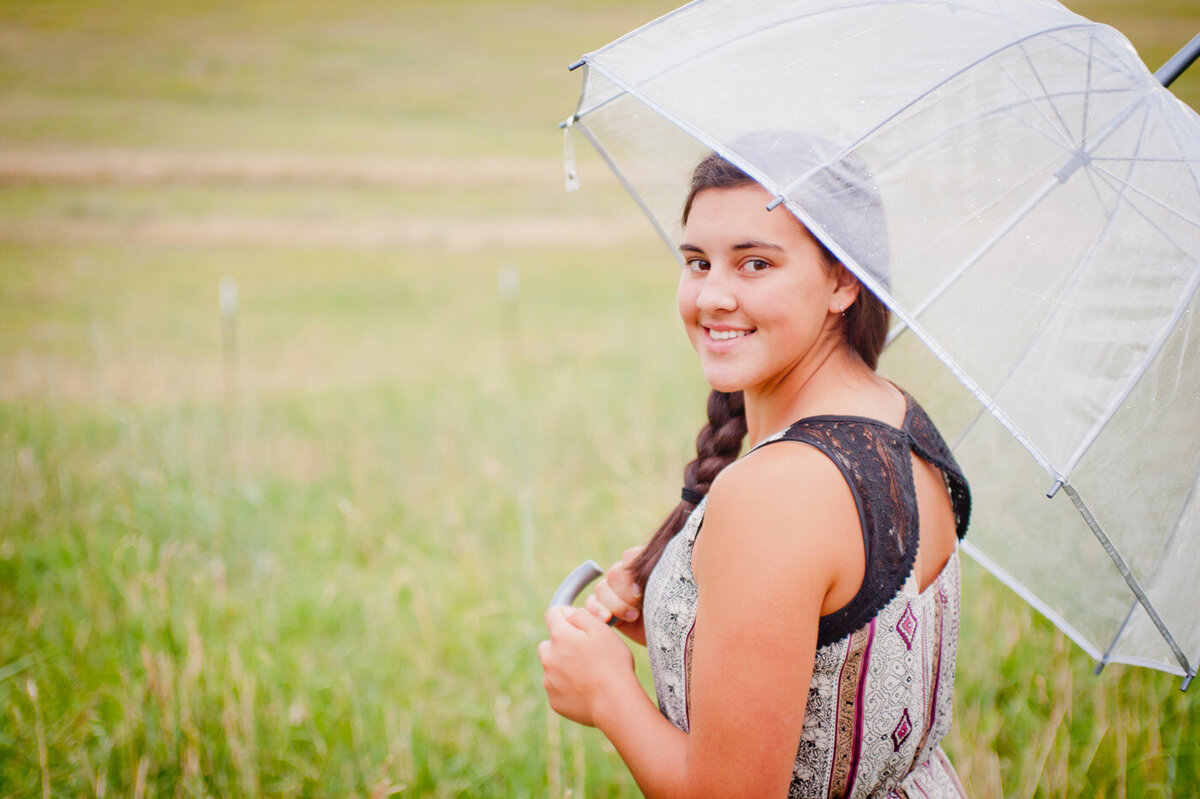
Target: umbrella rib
(1175,528)
(580,112)
(1064,140)
(608,159)
(1118,159)
(1036,602)
(1112,645)
(1130,579)
(1087,91)
(1068,140)
(1150,198)
(670,117)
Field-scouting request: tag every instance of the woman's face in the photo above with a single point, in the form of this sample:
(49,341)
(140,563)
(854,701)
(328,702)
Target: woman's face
(756,297)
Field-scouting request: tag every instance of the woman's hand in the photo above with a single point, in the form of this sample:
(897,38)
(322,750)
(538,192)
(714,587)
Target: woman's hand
(585,664)
(618,597)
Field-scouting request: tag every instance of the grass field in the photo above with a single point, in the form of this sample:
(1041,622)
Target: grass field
(304,550)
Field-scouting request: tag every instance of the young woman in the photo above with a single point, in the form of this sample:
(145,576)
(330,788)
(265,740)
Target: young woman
(801,604)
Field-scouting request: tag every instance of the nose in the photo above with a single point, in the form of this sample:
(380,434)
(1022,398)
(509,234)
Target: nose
(717,292)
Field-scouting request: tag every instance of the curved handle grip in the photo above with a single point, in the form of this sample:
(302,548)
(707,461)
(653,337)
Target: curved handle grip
(575,582)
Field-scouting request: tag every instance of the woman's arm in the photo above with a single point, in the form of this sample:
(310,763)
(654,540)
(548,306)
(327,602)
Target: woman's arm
(781,529)
(780,532)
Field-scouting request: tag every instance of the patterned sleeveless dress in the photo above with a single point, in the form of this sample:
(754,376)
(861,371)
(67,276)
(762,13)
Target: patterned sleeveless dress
(879,702)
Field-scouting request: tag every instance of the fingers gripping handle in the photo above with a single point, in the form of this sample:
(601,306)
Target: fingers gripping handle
(575,582)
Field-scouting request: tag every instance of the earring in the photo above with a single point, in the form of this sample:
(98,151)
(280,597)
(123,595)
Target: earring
(842,309)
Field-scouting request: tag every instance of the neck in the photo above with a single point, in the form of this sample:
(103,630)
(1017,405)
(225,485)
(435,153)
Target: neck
(833,380)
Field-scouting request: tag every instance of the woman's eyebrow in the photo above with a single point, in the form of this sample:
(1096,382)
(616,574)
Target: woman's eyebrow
(745,245)
(756,245)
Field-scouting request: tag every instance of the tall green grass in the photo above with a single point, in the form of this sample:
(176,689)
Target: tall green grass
(312,559)
(314,582)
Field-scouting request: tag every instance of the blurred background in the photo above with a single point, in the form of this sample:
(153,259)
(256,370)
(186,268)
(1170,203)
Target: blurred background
(314,382)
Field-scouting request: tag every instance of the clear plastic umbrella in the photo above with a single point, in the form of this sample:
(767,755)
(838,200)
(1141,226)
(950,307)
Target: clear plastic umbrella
(1041,256)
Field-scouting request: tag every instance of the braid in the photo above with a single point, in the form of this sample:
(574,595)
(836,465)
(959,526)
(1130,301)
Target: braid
(717,446)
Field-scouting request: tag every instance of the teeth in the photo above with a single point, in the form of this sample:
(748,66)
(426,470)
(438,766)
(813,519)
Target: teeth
(722,335)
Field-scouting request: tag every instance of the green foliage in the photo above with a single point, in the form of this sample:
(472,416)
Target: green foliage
(306,552)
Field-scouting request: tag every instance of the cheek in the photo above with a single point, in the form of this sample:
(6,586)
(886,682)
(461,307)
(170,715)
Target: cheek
(685,297)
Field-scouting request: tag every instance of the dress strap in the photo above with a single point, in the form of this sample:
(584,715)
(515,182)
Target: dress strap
(875,460)
(929,445)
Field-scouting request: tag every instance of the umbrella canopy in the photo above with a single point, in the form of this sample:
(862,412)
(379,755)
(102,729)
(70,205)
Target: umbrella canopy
(1039,246)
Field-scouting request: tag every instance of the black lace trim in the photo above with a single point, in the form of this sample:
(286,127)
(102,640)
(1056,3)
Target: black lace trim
(874,458)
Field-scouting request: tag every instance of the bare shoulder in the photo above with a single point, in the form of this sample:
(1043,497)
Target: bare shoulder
(784,480)
(785,512)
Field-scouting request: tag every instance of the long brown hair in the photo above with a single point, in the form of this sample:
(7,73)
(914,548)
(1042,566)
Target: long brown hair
(720,440)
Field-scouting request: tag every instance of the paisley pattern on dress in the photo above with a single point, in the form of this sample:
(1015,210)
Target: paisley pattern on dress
(879,701)
(672,593)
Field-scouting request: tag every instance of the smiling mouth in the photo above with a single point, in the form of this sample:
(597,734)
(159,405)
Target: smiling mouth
(725,335)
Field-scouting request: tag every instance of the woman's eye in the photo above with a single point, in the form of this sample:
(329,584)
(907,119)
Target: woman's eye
(697,264)
(756,265)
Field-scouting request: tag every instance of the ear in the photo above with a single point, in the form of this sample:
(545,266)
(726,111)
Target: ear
(845,291)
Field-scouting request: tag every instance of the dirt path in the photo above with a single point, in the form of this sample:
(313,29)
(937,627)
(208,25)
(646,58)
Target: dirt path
(120,167)
(128,166)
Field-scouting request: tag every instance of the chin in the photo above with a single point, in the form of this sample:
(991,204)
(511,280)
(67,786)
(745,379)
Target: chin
(724,382)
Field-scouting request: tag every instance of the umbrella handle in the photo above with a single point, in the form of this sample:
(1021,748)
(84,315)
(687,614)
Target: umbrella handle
(575,582)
